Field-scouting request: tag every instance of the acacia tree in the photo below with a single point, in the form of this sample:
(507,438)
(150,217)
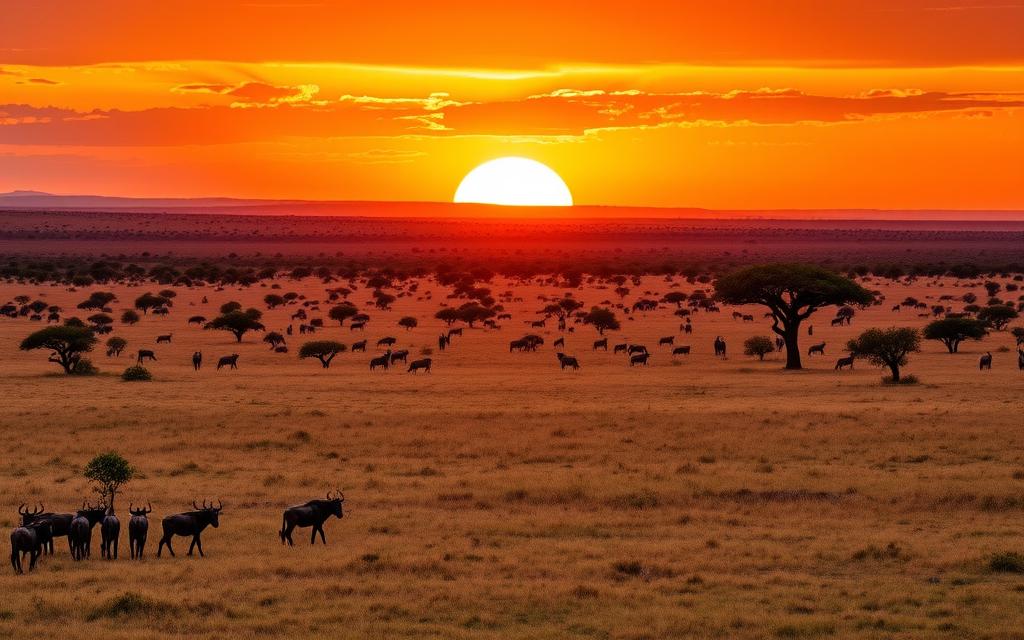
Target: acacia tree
(886,347)
(129,317)
(68,343)
(274,339)
(472,312)
(322,350)
(109,472)
(792,292)
(341,312)
(602,319)
(408,322)
(148,301)
(759,346)
(952,331)
(448,315)
(997,316)
(273,300)
(238,322)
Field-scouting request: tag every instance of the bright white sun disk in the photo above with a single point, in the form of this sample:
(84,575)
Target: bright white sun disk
(514,181)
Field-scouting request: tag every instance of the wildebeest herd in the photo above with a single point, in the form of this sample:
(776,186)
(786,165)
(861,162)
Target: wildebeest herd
(35,535)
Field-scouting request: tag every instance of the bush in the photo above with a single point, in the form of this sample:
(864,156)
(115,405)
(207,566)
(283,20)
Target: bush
(136,373)
(1006,562)
(84,367)
(911,379)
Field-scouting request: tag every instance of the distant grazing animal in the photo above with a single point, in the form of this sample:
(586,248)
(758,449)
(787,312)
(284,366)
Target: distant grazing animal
(387,342)
(681,351)
(166,338)
(197,320)
(110,534)
(357,325)
(896,308)
(736,315)
(538,323)
(816,348)
(601,344)
(190,523)
(145,353)
(228,361)
(402,355)
(383,361)
(197,360)
(986,361)
(836,322)
(26,540)
(568,361)
(620,348)
(59,523)
(504,316)
(281,349)
(640,358)
(560,342)
(688,328)
(748,318)
(311,514)
(719,346)
(161,311)
(138,529)
(455,332)
(416,365)
(636,348)
(359,346)
(669,340)
(844,362)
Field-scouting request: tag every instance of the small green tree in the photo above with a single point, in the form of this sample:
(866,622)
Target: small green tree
(997,316)
(68,343)
(602,319)
(952,331)
(342,312)
(238,322)
(759,346)
(886,347)
(274,339)
(129,317)
(322,350)
(115,346)
(108,473)
(408,322)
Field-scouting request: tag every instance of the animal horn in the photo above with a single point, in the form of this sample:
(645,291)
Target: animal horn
(41,508)
(150,509)
(220,505)
(341,496)
(195,506)
(22,511)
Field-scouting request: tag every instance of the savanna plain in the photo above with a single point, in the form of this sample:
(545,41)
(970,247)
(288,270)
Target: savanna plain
(499,496)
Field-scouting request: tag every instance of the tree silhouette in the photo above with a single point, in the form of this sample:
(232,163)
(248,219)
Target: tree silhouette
(602,319)
(238,322)
(952,331)
(322,350)
(68,343)
(109,472)
(886,347)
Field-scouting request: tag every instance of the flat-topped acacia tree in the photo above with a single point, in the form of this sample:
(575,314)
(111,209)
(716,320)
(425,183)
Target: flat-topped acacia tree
(792,292)
(68,343)
(322,350)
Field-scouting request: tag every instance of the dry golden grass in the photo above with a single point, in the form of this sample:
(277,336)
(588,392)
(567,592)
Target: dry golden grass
(500,497)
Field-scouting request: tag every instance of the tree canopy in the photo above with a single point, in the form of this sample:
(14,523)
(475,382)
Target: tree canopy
(68,343)
(108,472)
(997,316)
(148,301)
(886,347)
(322,350)
(238,322)
(759,346)
(341,312)
(952,331)
(602,319)
(408,322)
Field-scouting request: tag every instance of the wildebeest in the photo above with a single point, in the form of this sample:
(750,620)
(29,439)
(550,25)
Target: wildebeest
(311,514)
(357,325)
(560,342)
(748,318)
(838,321)
(59,523)
(80,532)
(145,353)
(669,340)
(110,534)
(228,361)
(620,348)
(688,328)
(601,344)
(197,360)
(681,351)
(719,346)
(190,523)
(986,361)
(568,361)
(455,332)
(359,346)
(844,362)
(640,358)
(416,365)
(386,342)
(538,323)
(402,354)
(138,530)
(27,539)
(197,320)
(816,348)
(382,361)
(166,338)
(636,348)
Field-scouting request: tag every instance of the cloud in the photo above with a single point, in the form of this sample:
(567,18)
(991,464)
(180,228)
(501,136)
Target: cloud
(385,156)
(38,81)
(249,94)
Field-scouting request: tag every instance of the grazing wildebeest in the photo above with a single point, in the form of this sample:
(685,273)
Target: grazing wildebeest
(620,348)
(402,354)
(601,344)
(197,360)
(382,361)
(110,535)
(836,322)
(896,308)
(636,348)
(190,523)
(816,348)
(281,349)
(80,532)
(359,346)
(538,323)
(455,332)
(669,340)
(844,362)
(518,345)
(560,342)
(357,325)
(683,351)
(311,514)
(166,338)
(197,320)
(719,346)
(60,523)
(986,361)
(640,358)
(736,315)
(27,540)
(443,341)
(145,353)
(228,361)
(416,365)
(386,342)
(568,361)
(138,530)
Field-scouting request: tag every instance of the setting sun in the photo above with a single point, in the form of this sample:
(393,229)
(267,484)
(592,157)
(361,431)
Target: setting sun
(514,181)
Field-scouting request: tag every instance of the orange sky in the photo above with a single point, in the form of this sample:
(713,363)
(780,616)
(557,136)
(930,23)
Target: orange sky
(775,104)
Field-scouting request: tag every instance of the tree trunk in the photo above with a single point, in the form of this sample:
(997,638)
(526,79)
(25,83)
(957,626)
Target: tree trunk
(895,372)
(791,336)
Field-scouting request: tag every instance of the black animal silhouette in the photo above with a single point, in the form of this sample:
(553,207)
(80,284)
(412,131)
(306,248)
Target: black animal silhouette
(1020,359)
(748,318)
(27,539)
(228,361)
(416,365)
(986,361)
(138,530)
(386,342)
(455,332)
(816,348)
(357,326)
(311,514)
(359,346)
(197,360)
(144,354)
(844,362)
(80,532)
(636,348)
(681,351)
(669,340)
(401,354)
(568,361)
(383,361)
(688,328)
(558,343)
(601,344)
(640,358)
(110,534)
(620,348)
(720,346)
(166,338)
(190,523)
(60,523)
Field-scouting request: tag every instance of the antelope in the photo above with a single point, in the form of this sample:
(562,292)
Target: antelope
(402,355)
(558,343)
(311,514)
(228,361)
(986,361)
(166,338)
(455,332)
(844,362)
(80,532)
(145,353)
(138,529)
(636,348)
(416,365)
(357,326)
(27,540)
(197,360)
(190,523)
(720,346)
(386,342)
(816,348)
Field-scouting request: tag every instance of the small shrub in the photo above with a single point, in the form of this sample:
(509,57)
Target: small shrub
(904,380)
(136,373)
(1006,562)
(84,367)
(130,605)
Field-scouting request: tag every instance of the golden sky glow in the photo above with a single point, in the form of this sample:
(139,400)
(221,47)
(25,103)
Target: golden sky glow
(874,104)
